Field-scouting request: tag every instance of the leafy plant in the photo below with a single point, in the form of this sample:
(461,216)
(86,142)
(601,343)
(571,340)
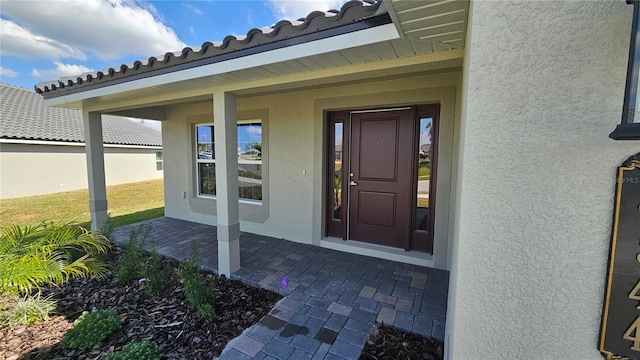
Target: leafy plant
(49,253)
(91,328)
(128,266)
(201,291)
(27,310)
(107,227)
(156,276)
(144,350)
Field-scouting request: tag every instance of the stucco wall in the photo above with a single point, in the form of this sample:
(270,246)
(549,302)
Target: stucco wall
(296,152)
(543,87)
(27,170)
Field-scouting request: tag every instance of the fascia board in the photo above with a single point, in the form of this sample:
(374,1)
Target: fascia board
(358,38)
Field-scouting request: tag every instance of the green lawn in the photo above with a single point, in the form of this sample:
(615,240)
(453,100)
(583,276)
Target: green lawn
(128,203)
(424,170)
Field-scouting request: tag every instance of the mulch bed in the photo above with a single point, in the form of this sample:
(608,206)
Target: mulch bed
(167,320)
(388,343)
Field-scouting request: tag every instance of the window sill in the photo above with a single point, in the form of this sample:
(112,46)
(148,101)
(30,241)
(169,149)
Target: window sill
(626,132)
(240,201)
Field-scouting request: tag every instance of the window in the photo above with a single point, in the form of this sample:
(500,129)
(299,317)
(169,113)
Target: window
(249,160)
(159,160)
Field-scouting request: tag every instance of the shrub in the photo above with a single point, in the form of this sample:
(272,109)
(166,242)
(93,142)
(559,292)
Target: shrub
(91,328)
(145,350)
(201,291)
(25,311)
(49,253)
(107,227)
(156,276)
(128,266)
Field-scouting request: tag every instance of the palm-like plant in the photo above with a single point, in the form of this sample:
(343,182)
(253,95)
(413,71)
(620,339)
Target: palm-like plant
(31,256)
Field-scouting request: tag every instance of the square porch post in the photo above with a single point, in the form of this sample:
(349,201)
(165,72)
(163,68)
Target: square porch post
(95,168)
(226,154)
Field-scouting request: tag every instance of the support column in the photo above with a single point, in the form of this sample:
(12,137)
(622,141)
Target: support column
(95,168)
(226,154)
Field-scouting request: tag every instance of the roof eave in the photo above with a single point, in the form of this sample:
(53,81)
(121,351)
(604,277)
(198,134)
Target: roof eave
(368,32)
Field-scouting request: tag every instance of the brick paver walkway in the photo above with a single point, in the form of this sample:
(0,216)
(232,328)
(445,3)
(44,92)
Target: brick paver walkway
(332,299)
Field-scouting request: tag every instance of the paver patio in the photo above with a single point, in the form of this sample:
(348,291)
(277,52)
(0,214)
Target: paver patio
(332,299)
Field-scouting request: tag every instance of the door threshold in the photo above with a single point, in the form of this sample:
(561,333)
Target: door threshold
(378,251)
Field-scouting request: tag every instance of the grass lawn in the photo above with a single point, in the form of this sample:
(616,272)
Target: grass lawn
(128,203)
(424,170)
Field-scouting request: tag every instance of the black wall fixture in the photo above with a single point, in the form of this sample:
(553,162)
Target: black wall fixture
(629,128)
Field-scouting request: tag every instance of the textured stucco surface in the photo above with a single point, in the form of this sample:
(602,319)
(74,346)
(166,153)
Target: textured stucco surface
(542,86)
(296,151)
(27,170)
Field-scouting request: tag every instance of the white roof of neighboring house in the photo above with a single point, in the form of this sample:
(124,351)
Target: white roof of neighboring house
(25,117)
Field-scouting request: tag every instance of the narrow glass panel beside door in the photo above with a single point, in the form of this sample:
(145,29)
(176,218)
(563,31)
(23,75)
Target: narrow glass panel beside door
(337,171)
(424,173)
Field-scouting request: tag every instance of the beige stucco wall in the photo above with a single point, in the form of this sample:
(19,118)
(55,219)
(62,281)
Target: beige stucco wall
(543,87)
(296,148)
(27,169)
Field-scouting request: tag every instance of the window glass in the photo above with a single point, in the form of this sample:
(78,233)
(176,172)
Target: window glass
(424,173)
(249,160)
(337,171)
(158,160)
(205,159)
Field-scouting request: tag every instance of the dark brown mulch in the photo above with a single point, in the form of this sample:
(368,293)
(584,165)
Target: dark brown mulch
(167,319)
(388,343)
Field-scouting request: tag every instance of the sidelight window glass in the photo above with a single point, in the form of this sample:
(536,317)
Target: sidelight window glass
(424,172)
(337,172)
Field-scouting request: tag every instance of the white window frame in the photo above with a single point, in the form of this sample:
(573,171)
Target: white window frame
(159,163)
(199,161)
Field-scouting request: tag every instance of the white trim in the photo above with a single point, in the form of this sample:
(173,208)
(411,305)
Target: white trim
(63,143)
(340,42)
(378,251)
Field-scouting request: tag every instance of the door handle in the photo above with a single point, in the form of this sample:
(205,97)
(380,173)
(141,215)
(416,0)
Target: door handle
(353,183)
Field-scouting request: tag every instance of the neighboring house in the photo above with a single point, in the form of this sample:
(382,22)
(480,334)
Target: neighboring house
(520,95)
(42,148)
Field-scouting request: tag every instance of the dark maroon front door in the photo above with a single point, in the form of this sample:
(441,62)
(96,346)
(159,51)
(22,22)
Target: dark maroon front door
(380,177)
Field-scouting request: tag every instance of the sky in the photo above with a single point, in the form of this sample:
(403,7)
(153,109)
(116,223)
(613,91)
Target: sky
(45,40)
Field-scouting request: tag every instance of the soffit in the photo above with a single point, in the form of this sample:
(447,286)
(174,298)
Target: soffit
(440,23)
(428,27)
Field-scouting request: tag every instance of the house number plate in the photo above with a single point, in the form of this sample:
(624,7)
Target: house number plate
(620,332)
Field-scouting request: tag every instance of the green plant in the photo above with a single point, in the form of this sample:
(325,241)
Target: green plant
(201,291)
(156,276)
(128,266)
(107,227)
(144,350)
(27,310)
(49,253)
(91,328)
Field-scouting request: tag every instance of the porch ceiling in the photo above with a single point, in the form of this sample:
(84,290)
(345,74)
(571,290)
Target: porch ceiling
(431,38)
(440,23)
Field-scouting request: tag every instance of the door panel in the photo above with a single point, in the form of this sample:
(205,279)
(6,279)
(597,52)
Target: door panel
(378,143)
(385,205)
(380,195)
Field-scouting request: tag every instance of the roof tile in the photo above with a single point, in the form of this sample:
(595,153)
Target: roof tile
(26,117)
(352,11)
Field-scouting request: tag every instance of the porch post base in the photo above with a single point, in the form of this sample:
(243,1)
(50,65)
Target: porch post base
(98,211)
(228,257)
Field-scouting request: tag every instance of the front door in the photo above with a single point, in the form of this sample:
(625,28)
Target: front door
(381,176)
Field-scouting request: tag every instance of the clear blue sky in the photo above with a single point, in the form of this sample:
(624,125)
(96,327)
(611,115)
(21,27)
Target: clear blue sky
(45,40)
